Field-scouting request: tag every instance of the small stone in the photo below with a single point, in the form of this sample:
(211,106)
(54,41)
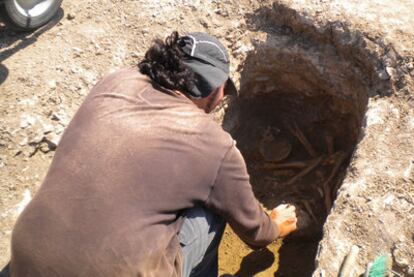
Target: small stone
(390,70)
(55,140)
(44,148)
(383,75)
(59,129)
(52,84)
(70,16)
(400,260)
(47,128)
(26,121)
(24,142)
(51,144)
(60,116)
(134,54)
(36,139)
(221,12)
(77,51)
(204,23)
(3,143)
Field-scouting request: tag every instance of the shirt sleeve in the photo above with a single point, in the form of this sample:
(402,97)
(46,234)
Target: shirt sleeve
(232,197)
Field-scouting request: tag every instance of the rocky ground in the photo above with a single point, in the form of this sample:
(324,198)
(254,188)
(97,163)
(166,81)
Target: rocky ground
(45,75)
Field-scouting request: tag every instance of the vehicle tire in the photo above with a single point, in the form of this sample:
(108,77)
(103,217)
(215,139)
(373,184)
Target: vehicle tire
(17,18)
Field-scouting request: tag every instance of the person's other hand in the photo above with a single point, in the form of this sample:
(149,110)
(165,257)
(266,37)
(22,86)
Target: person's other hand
(285,218)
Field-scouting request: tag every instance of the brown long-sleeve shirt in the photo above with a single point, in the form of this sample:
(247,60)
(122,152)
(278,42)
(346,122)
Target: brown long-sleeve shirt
(130,161)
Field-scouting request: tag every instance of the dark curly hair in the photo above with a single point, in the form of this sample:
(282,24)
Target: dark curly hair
(163,64)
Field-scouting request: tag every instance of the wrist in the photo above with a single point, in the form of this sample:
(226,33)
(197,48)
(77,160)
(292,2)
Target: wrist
(281,230)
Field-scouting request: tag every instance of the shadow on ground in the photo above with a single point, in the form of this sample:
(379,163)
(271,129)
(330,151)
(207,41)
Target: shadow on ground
(255,262)
(12,42)
(4,72)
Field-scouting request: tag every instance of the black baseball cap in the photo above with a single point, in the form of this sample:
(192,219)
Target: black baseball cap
(209,60)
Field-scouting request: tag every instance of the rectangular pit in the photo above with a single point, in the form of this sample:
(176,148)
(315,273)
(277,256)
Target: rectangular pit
(297,130)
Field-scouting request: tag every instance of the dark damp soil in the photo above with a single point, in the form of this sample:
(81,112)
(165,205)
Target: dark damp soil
(296,150)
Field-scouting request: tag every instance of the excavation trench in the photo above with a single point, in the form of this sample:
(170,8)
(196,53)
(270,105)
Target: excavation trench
(297,122)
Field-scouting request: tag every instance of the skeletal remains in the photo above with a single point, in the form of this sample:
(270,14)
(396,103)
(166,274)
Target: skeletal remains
(275,150)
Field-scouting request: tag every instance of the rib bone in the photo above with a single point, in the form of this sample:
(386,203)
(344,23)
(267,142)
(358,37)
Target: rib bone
(286,165)
(294,129)
(312,165)
(325,186)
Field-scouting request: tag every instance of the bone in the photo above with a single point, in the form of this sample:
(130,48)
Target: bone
(286,165)
(294,129)
(320,191)
(325,186)
(332,159)
(309,210)
(312,165)
(283,173)
(329,144)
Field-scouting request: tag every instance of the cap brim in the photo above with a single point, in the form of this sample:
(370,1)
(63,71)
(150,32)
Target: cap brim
(230,88)
(209,78)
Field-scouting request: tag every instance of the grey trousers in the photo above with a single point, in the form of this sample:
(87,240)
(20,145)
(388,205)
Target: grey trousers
(5,272)
(200,237)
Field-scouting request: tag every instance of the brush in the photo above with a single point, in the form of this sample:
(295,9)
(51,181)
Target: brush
(380,267)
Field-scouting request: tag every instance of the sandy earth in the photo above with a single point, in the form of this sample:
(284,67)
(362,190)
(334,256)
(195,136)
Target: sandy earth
(45,75)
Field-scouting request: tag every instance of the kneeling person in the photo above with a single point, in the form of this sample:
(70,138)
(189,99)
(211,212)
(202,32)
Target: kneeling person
(143,180)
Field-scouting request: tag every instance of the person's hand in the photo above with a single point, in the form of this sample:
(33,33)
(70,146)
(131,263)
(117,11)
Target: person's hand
(285,218)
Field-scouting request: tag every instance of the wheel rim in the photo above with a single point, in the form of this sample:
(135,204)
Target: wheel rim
(32,8)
